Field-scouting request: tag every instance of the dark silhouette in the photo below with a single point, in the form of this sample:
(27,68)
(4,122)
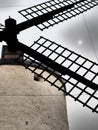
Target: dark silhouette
(9,35)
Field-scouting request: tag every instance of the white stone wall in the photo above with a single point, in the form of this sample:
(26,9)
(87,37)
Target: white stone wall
(26,104)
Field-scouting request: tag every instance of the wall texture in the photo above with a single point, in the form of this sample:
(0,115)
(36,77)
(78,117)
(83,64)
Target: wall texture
(26,104)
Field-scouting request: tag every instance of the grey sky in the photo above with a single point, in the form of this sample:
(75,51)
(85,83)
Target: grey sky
(8,2)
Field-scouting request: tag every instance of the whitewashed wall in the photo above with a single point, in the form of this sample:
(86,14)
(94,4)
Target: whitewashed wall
(26,104)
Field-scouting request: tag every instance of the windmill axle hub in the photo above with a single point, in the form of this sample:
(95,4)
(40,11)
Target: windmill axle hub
(10,34)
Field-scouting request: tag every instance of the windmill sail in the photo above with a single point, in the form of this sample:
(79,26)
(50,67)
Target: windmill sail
(87,69)
(75,8)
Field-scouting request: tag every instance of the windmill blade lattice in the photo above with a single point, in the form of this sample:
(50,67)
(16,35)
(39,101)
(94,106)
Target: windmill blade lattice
(40,9)
(71,60)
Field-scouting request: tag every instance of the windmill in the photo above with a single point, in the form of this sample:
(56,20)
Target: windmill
(51,57)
